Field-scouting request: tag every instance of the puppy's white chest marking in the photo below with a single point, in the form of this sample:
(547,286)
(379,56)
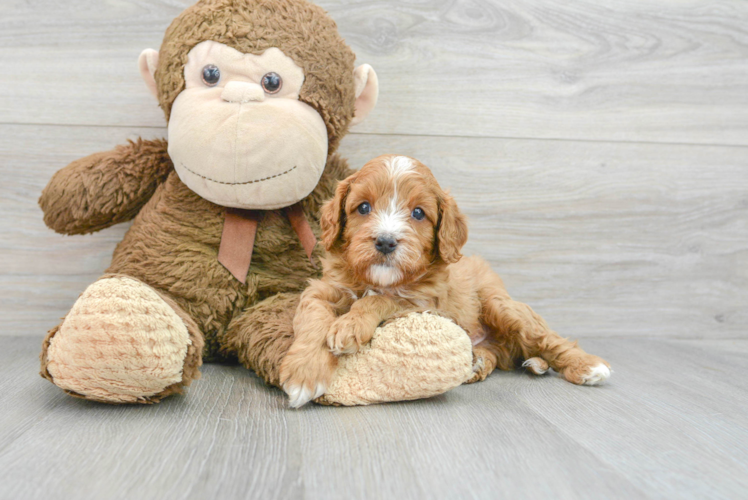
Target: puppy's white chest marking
(384,275)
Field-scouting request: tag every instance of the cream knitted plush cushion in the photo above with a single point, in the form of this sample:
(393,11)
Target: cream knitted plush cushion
(417,356)
(120,343)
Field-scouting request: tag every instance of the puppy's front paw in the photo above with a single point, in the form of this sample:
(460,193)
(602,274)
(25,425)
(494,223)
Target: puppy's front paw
(306,377)
(348,333)
(301,392)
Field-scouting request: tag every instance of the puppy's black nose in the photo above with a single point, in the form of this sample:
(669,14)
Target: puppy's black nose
(386,244)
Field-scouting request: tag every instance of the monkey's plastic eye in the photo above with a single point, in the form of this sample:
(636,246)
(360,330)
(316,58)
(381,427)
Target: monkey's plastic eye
(211,75)
(419,214)
(364,208)
(272,83)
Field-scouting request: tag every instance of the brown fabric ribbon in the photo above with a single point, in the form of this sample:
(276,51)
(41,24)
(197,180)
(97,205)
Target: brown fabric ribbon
(238,237)
(296,217)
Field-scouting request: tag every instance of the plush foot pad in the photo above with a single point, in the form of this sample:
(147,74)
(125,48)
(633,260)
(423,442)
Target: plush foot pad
(417,356)
(121,343)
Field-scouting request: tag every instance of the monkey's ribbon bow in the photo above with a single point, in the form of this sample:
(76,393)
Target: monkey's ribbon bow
(240,229)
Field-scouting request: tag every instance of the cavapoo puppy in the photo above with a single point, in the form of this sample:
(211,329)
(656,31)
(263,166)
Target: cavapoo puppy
(393,240)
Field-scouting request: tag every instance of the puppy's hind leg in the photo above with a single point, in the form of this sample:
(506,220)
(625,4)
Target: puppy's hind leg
(536,366)
(484,362)
(525,337)
(489,355)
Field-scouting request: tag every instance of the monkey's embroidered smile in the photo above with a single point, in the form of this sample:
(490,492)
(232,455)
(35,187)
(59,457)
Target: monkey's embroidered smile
(237,183)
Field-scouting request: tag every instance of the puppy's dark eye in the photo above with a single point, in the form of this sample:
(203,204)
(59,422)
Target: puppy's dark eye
(364,208)
(211,75)
(419,214)
(272,83)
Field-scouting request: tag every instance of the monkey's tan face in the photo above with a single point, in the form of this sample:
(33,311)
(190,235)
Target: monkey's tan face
(238,134)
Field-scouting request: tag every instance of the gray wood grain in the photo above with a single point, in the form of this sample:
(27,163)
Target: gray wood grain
(626,71)
(671,423)
(602,239)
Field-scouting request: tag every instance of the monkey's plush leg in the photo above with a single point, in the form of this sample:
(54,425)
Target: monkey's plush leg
(262,334)
(521,335)
(123,342)
(105,188)
(413,357)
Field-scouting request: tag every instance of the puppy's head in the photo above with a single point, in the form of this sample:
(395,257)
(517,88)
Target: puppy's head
(390,221)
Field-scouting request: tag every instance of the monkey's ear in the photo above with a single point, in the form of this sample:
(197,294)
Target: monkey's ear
(147,63)
(332,215)
(453,230)
(367,92)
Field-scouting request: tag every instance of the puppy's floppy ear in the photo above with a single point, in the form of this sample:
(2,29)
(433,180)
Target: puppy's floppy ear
(452,230)
(332,215)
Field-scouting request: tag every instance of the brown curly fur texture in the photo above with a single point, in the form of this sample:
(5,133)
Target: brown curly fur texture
(262,334)
(303,31)
(173,243)
(108,187)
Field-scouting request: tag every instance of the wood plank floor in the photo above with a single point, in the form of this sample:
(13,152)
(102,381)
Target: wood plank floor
(671,423)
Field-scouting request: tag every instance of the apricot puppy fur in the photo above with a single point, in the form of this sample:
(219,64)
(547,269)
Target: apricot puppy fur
(393,239)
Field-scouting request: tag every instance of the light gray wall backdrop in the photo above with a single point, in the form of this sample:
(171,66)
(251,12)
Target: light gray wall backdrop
(599,148)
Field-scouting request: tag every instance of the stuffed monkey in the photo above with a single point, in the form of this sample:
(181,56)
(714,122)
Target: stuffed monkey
(257,95)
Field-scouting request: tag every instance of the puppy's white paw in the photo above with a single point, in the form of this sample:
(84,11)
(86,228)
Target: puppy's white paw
(478,364)
(299,395)
(319,391)
(536,366)
(597,375)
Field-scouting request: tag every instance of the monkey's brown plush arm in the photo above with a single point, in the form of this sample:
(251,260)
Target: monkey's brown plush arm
(105,188)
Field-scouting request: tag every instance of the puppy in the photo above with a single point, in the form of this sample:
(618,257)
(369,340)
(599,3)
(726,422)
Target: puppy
(393,239)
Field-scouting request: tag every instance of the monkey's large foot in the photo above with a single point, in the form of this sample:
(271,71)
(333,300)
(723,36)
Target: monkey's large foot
(123,342)
(417,356)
